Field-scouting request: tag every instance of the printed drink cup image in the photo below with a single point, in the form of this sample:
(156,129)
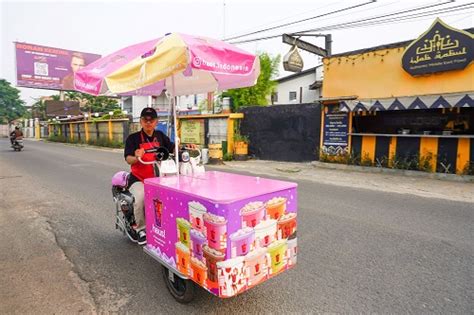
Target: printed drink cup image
(232,277)
(292,249)
(216,229)
(198,271)
(242,241)
(277,251)
(257,266)
(182,258)
(212,257)
(196,213)
(198,240)
(252,213)
(276,207)
(183,231)
(158,211)
(265,232)
(286,225)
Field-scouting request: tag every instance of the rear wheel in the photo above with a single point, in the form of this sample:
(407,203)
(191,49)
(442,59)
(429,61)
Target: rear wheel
(182,290)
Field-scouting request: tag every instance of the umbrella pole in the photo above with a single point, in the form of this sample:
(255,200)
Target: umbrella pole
(175,126)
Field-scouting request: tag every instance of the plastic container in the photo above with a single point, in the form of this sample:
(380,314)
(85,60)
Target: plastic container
(277,251)
(242,241)
(265,232)
(198,240)
(286,225)
(292,250)
(216,229)
(183,257)
(232,277)
(256,264)
(196,213)
(198,271)
(212,257)
(183,231)
(252,213)
(276,207)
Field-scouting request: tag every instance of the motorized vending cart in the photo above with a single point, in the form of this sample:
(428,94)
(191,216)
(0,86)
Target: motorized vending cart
(226,232)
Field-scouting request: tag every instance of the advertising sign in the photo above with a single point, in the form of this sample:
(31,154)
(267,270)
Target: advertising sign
(50,68)
(441,48)
(336,128)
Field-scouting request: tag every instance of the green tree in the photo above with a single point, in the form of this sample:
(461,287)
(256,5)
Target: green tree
(11,106)
(92,103)
(260,92)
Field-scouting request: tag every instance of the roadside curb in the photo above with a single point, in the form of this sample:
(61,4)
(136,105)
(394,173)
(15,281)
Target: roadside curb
(408,173)
(87,146)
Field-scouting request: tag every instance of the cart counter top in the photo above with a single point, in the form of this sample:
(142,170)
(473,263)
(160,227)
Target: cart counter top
(221,187)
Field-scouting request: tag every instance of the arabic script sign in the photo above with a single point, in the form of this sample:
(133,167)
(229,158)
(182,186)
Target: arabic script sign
(441,48)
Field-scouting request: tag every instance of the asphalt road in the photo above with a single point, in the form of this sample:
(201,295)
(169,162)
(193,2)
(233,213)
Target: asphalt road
(359,250)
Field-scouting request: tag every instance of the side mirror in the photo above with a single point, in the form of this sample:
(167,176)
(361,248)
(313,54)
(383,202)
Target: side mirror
(162,154)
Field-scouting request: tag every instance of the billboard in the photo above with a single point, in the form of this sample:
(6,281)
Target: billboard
(50,68)
(62,108)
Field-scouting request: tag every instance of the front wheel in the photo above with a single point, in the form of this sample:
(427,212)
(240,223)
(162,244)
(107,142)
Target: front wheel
(182,290)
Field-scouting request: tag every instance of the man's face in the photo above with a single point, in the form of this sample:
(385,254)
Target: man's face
(77,64)
(148,123)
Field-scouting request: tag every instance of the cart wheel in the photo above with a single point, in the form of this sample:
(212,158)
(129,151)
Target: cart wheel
(182,290)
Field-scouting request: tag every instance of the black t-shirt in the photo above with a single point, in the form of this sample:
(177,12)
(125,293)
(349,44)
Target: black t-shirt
(133,143)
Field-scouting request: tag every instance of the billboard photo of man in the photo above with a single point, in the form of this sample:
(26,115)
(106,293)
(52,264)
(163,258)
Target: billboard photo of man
(44,67)
(77,63)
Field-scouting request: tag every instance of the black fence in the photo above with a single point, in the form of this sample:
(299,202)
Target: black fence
(283,132)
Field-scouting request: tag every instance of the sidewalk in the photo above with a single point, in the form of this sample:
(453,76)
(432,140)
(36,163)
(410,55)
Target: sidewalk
(395,183)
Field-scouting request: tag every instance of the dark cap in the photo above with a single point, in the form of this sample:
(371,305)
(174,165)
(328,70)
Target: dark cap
(149,112)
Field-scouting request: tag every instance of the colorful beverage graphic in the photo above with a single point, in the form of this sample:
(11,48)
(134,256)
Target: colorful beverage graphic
(225,232)
(183,257)
(286,225)
(252,213)
(292,250)
(216,229)
(265,232)
(242,241)
(183,231)
(212,257)
(196,213)
(276,207)
(198,240)
(232,278)
(277,251)
(158,211)
(198,271)
(256,263)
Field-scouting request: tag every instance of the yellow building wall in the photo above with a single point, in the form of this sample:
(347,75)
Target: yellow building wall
(379,74)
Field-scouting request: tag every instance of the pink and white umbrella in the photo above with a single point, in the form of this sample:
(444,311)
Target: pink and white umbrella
(194,64)
(181,64)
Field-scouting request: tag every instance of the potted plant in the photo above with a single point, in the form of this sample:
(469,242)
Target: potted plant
(240,146)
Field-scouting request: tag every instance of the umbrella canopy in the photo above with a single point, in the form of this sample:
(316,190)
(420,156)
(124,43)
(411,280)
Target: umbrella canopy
(180,63)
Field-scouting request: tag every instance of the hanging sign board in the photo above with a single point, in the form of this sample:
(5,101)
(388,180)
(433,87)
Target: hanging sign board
(441,48)
(292,61)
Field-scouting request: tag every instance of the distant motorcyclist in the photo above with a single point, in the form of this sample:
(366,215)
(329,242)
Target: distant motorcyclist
(16,134)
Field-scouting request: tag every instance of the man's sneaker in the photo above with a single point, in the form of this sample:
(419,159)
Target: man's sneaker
(141,237)
(132,235)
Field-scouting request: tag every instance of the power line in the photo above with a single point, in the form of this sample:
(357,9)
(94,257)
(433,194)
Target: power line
(389,14)
(282,19)
(300,21)
(366,22)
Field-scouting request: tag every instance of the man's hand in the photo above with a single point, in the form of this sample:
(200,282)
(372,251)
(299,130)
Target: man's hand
(191,146)
(139,153)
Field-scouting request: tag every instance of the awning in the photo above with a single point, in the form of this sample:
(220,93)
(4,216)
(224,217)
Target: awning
(434,101)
